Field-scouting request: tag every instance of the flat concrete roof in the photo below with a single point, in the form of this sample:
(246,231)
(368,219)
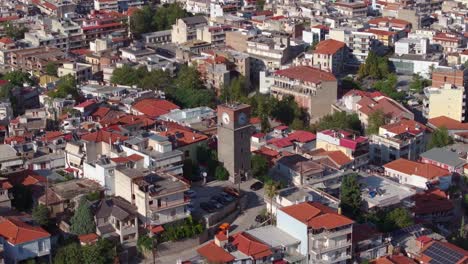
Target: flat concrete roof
(387,191)
(273,236)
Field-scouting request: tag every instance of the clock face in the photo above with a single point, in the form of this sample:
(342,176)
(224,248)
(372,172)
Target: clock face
(225,118)
(242,119)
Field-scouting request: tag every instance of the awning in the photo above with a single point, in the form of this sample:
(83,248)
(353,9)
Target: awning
(157,229)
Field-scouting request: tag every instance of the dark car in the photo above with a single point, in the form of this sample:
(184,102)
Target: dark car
(260,218)
(207,207)
(220,199)
(227,196)
(256,186)
(213,202)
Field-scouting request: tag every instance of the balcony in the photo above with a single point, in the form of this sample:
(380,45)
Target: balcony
(168,219)
(331,246)
(332,234)
(169,205)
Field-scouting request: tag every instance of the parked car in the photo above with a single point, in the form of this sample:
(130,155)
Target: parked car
(190,193)
(227,196)
(256,186)
(220,199)
(207,207)
(261,218)
(215,203)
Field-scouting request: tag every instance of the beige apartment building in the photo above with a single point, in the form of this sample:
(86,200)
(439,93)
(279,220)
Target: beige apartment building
(449,101)
(159,196)
(81,71)
(313,89)
(185,29)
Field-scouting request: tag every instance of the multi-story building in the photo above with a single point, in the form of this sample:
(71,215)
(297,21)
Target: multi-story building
(449,101)
(454,76)
(101,24)
(418,46)
(448,42)
(444,158)
(313,89)
(330,55)
(198,6)
(38,38)
(185,29)
(325,236)
(215,35)
(404,139)
(81,71)
(71,30)
(354,147)
(35,59)
(351,8)
(359,42)
(107,5)
(159,196)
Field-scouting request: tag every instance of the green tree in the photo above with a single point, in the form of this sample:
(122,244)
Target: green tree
(221,173)
(66,87)
(126,75)
(265,124)
(14,31)
(140,21)
(388,87)
(40,214)
(350,196)
(271,189)
(144,244)
(22,197)
(349,83)
(69,254)
(260,4)
(235,91)
(418,83)
(166,15)
(156,80)
(259,167)
(18,78)
(51,69)
(440,138)
(397,218)
(375,67)
(339,120)
(82,221)
(376,120)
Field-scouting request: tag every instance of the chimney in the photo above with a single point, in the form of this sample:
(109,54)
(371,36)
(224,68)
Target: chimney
(339,210)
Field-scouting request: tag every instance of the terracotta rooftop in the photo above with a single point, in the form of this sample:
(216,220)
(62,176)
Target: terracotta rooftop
(393,259)
(447,122)
(390,21)
(424,170)
(306,74)
(429,202)
(250,246)
(18,232)
(215,254)
(405,125)
(461,258)
(103,136)
(154,107)
(317,215)
(329,46)
(183,137)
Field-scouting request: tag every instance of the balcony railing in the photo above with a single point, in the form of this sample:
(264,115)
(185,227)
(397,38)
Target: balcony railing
(331,234)
(155,208)
(326,248)
(168,219)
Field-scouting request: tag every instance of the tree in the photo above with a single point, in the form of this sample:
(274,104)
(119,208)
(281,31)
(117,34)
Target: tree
(40,214)
(375,121)
(22,197)
(350,196)
(166,16)
(221,173)
(140,21)
(339,120)
(102,252)
(51,69)
(18,78)
(271,189)
(259,167)
(396,219)
(82,221)
(235,91)
(144,244)
(69,254)
(126,75)
(418,83)
(260,4)
(14,31)
(156,80)
(375,67)
(388,87)
(440,138)
(66,87)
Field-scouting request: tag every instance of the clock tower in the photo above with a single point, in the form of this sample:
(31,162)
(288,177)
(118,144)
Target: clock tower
(234,131)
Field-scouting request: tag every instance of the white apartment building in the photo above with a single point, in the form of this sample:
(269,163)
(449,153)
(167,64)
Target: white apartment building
(325,236)
(449,101)
(81,71)
(359,43)
(412,46)
(108,5)
(185,29)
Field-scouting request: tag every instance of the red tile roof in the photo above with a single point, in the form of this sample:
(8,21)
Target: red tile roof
(380,32)
(154,107)
(447,122)
(183,137)
(429,202)
(8,18)
(271,153)
(86,103)
(88,238)
(17,232)
(447,37)
(317,215)
(337,157)
(5,184)
(101,112)
(250,246)
(405,125)
(103,136)
(301,136)
(306,74)
(33,179)
(51,135)
(387,105)
(6,40)
(214,253)
(426,259)
(424,170)
(393,22)
(329,47)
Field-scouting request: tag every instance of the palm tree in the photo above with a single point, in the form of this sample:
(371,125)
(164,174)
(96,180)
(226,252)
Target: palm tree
(270,191)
